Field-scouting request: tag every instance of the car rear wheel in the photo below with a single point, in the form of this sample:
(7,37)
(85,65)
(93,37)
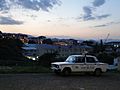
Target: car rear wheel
(97,72)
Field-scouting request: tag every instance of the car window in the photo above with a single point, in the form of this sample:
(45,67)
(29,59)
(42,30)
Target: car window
(70,59)
(79,60)
(90,60)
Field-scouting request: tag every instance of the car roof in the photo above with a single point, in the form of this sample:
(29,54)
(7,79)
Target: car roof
(81,56)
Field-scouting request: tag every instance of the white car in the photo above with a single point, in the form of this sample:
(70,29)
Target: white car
(79,63)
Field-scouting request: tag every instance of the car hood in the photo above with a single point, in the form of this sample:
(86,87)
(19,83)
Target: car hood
(58,63)
(101,63)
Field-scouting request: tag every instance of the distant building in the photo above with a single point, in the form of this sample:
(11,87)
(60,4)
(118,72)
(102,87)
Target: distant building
(22,37)
(30,51)
(46,48)
(60,43)
(35,50)
(114,43)
(34,40)
(112,47)
(118,50)
(109,50)
(65,42)
(37,40)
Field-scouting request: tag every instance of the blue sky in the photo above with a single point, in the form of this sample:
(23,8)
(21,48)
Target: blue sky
(85,19)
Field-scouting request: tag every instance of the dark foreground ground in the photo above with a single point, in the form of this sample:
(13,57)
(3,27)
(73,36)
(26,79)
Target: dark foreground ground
(50,81)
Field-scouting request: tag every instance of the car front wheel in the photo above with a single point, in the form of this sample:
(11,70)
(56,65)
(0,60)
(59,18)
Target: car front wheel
(66,71)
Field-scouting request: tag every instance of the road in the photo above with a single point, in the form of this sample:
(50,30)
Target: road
(50,81)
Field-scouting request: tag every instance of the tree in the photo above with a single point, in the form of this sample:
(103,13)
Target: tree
(11,51)
(75,42)
(42,37)
(47,41)
(89,43)
(0,32)
(102,47)
(47,58)
(0,35)
(105,58)
(31,42)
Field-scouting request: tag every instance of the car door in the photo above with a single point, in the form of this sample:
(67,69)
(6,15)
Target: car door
(90,64)
(79,64)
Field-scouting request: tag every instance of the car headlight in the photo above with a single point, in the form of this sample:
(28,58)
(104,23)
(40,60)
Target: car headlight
(57,66)
(54,65)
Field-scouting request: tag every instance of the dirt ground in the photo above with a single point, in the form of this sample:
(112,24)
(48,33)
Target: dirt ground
(50,81)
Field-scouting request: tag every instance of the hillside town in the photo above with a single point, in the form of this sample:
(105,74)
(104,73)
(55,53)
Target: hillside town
(35,47)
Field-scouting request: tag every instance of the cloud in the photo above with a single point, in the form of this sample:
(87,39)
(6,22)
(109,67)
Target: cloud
(106,24)
(103,16)
(87,13)
(36,5)
(7,5)
(44,5)
(3,5)
(102,25)
(98,3)
(9,21)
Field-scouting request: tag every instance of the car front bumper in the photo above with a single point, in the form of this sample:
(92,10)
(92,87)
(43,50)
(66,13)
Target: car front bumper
(56,69)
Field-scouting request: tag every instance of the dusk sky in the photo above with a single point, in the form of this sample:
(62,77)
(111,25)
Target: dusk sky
(85,19)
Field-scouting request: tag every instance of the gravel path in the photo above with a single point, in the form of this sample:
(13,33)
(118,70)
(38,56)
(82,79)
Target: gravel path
(108,81)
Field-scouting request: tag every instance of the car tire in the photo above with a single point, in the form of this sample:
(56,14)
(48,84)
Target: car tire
(66,72)
(98,72)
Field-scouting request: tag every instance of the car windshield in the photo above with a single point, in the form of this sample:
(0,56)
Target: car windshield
(70,59)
